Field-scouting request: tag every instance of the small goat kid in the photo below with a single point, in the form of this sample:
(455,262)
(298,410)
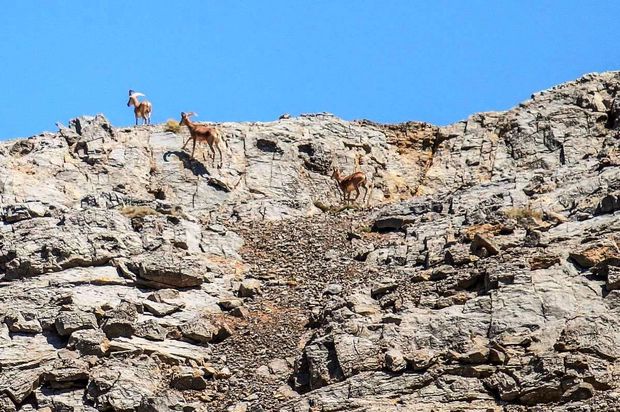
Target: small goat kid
(203,133)
(142,109)
(348,184)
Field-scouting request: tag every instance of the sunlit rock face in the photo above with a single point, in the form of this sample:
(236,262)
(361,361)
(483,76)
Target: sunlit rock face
(479,270)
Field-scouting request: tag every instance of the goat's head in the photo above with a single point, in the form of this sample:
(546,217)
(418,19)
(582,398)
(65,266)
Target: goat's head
(335,173)
(185,118)
(133,98)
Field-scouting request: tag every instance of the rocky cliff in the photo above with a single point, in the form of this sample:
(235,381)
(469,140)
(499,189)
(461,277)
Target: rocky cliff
(482,274)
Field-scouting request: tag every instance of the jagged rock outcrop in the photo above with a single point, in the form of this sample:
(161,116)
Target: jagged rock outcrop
(483,274)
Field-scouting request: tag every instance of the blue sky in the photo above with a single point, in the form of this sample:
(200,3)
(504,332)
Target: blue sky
(388,61)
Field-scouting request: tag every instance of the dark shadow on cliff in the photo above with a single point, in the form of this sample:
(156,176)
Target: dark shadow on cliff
(198,168)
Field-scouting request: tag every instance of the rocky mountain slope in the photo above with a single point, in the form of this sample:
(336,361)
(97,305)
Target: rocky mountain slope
(482,274)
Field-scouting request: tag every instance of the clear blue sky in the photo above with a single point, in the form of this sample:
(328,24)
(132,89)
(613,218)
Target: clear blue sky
(389,61)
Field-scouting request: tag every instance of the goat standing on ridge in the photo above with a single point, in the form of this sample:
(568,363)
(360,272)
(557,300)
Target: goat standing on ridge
(202,133)
(347,185)
(142,109)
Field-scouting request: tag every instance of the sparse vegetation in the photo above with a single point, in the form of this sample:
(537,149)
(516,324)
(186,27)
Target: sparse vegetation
(523,213)
(138,211)
(172,126)
(324,208)
(335,208)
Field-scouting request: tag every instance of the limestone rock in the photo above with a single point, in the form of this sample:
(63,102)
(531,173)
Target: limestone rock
(69,322)
(482,274)
(89,342)
(200,330)
(249,288)
(188,379)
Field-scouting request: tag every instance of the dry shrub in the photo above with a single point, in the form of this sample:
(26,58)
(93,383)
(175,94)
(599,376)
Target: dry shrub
(523,213)
(336,208)
(138,211)
(172,126)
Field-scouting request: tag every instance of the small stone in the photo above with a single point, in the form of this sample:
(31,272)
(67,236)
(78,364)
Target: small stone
(263,371)
(395,361)
(188,379)
(18,324)
(160,309)
(331,255)
(279,367)
(543,262)
(365,309)
(19,384)
(6,404)
(579,392)
(285,392)
(483,246)
(333,289)
(230,303)
(240,312)
(421,359)
(199,330)
(595,254)
(151,330)
(69,322)
(249,288)
(116,328)
(164,295)
(223,373)
(90,342)
(238,407)
(382,289)
(66,370)
(613,278)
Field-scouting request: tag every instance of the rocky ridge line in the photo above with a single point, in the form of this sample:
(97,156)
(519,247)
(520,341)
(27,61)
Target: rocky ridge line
(481,277)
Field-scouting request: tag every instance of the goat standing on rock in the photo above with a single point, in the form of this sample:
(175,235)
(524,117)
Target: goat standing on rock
(202,133)
(142,109)
(347,185)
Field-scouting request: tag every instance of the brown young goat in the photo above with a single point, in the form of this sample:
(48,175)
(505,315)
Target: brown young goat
(142,109)
(347,185)
(203,133)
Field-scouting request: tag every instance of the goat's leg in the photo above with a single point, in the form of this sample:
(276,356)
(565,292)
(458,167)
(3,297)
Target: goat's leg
(212,153)
(193,150)
(186,142)
(357,193)
(221,156)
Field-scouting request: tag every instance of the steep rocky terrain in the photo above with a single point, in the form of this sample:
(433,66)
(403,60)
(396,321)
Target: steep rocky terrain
(482,274)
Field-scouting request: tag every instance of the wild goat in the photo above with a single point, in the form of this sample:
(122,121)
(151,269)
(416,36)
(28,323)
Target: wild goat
(202,133)
(347,185)
(142,109)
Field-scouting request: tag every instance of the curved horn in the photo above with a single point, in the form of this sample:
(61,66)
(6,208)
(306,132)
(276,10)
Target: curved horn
(190,114)
(136,94)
